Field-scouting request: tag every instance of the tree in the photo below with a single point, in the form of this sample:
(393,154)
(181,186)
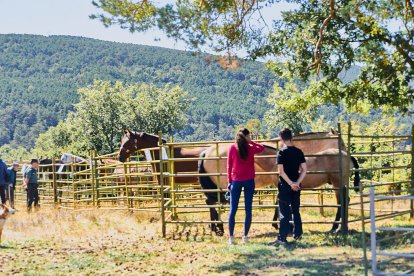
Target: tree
(314,43)
(10,154)
(105,110)
(67,136)
(284,112)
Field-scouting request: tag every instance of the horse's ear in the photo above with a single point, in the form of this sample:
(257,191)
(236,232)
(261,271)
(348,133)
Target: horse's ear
(126,131)
(333,131)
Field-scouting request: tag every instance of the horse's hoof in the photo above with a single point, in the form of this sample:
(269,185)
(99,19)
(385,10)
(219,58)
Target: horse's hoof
(275,226)
(213,227)
(220,233)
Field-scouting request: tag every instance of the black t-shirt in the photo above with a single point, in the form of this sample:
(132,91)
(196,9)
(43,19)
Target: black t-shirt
(290,158)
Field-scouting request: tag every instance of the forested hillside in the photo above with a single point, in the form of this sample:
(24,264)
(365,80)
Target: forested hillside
(39,77)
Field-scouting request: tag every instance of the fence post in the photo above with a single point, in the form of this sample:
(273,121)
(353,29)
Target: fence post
(364,241)
(341,184)
(73,183)
(126,185)
(412,173)
(163,226)
(96,184)
(55,196)
(171,169)
(348,173)
(218,181)
(373,234)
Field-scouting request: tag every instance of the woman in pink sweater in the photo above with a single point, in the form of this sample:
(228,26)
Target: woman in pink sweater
(240,174)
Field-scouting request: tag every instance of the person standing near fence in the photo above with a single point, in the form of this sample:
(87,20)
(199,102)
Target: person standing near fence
(292,170)
(12,171)
(3,181)
(30,183)
(240,174)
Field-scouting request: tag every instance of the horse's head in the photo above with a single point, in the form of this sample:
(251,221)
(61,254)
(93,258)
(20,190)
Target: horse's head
(132,141)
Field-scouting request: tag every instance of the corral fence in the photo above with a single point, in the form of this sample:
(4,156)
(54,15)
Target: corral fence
(393,257)
(148,183)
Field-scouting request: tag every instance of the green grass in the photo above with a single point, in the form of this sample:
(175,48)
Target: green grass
(111,242)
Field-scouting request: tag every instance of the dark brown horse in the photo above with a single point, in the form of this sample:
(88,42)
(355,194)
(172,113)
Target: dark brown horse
(134,141)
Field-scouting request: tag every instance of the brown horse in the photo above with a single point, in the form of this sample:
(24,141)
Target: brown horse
(134,141)
(328,161)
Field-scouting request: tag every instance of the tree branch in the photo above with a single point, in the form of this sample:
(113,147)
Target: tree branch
(317,52)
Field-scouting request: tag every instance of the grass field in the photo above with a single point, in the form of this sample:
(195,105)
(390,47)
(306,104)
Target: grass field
(59,242)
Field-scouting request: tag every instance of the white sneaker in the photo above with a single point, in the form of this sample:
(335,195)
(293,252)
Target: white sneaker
(12,211)
(245,239)
(231,240)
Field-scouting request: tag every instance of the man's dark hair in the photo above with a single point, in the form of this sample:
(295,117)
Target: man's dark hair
(286,134)
(34,161)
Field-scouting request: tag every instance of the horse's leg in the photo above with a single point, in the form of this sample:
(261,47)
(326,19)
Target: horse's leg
(338,212)
(213,214)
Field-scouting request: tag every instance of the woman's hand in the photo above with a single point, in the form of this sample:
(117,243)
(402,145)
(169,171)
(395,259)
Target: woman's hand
(229,187)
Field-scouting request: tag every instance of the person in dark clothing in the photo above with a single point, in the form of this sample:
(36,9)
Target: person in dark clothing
(12,171)
(30,184)
(3,181)
(292,170)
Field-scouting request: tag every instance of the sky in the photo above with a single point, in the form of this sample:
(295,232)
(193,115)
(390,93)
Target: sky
(71,17)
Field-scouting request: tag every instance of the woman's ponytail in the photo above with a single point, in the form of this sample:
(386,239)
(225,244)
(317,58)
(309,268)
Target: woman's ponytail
(242,143)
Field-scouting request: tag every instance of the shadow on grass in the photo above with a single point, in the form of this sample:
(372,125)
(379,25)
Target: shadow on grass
(270,260)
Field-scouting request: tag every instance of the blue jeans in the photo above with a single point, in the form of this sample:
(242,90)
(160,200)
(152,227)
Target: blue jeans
(235,192)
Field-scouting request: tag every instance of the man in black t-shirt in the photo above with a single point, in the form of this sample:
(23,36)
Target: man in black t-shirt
(292,170)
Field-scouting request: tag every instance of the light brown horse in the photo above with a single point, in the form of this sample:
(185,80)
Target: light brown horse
(328,161)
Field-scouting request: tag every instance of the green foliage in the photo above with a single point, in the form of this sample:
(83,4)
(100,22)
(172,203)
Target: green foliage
(67,136)
(39,77)
(283,112)
(326,37)
(105,110)
(10,154)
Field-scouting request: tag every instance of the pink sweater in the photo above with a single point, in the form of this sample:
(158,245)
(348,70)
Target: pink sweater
(239,169)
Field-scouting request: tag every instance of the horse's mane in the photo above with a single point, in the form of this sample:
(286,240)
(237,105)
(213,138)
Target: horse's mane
(151,135)
(310,133)
(270,147)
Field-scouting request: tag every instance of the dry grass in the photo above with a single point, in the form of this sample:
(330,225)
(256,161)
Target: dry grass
(60,242)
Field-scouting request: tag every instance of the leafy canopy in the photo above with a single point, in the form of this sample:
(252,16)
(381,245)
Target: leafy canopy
(105,110)
(313,43)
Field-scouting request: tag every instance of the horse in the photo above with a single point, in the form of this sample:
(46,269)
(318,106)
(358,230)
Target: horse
(133,141)
(268,164)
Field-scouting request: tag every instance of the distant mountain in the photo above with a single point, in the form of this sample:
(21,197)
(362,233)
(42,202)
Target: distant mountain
(39,77)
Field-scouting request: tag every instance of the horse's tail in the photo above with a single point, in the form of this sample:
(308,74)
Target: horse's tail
(357,178)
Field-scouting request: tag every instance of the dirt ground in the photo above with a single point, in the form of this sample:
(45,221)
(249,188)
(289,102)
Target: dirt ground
(107,242)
